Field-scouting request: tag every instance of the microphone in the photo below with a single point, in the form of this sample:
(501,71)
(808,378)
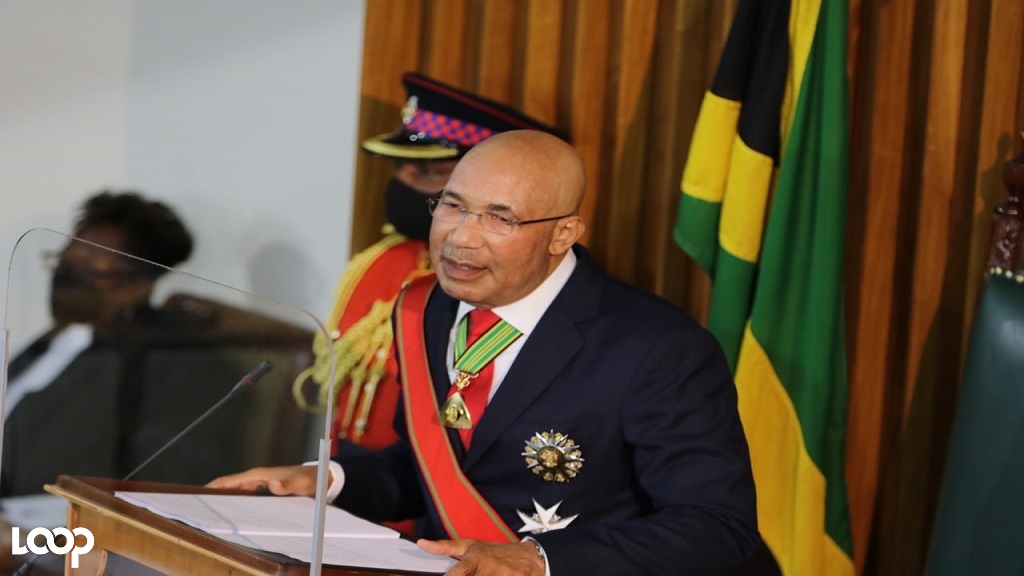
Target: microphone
(248,380)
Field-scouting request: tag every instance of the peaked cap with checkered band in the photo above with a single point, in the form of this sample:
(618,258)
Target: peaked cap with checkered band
(442,122)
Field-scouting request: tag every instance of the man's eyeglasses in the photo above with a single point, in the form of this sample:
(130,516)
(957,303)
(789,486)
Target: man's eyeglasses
(54,262)
(455,213)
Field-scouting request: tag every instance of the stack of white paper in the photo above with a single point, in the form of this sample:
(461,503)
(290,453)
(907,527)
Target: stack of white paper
(284,525)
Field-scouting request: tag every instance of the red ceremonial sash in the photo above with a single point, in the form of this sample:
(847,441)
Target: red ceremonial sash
(463,511)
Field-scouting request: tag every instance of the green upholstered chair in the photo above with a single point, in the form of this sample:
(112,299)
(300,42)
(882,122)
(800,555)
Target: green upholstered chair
(979,522)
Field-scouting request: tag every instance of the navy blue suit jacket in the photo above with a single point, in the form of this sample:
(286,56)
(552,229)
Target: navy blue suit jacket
(643,390)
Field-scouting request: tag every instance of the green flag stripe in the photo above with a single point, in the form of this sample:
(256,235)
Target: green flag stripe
(696,230)
(797,314)
(730,299)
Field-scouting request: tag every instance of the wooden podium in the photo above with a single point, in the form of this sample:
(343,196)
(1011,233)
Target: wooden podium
(141,536)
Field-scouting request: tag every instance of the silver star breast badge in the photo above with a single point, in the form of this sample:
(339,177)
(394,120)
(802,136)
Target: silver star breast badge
(544,519)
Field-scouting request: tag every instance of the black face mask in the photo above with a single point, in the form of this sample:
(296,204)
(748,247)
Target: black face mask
(75,299)
(407,210)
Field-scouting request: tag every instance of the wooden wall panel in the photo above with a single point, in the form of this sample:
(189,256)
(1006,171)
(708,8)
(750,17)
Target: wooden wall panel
(496,51)
(622,214)
(936,195)
(677,86)
(878,137)
(936,109)
(390,46)
(938,167)
(925,77)
(588,73)
(542,45)
(446,23)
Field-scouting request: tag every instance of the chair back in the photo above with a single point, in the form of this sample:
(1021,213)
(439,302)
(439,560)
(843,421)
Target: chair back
(978,523)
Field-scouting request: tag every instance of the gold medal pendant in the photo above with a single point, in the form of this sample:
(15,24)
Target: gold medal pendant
(455,414)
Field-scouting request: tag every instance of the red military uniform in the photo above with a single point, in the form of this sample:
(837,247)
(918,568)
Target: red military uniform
(366,386)
(366,372)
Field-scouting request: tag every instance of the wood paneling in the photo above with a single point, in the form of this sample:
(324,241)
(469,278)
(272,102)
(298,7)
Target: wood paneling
(932,103)
(878,134)
(588,72)
(390,46)
(936,107)
(446,23)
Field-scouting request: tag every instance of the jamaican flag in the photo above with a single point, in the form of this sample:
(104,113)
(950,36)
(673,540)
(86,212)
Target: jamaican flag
(763,212)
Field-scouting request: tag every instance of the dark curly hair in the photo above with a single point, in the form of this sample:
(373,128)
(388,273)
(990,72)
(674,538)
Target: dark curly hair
(152,230)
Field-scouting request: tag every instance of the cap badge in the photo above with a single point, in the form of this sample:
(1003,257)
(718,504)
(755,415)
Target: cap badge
(412,105)
(553,456)
(544,519)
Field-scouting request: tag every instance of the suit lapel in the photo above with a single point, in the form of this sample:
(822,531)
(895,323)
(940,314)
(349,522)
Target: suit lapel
(25,359)
(550,347)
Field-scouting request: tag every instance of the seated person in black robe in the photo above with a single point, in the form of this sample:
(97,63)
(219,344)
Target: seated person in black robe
(71,392)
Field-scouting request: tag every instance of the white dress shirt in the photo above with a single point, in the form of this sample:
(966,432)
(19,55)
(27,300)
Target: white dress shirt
(64,347)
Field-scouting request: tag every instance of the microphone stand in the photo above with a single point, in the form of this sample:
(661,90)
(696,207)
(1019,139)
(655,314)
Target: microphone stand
(247,380)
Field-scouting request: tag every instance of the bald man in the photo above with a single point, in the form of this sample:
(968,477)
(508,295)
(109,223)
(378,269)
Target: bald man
(439,124)
(553,420)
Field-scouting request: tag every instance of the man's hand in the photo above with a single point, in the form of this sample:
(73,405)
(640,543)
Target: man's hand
(280,480)
(487,558)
